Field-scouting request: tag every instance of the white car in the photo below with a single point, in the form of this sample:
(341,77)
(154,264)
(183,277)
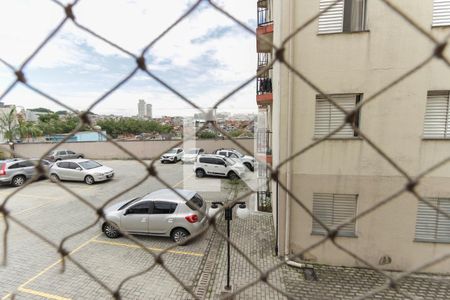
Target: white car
(85,170)
(173,155)
(191,155)
(216,165)
(246,160)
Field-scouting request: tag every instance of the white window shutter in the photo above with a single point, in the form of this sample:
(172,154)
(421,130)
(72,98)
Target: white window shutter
(344,208)
(347,102)
(441,12)
(323,210)
(443,223)
(426,221)
(332,210)
(328,117)
(332,20)
(436,116)
(322,118)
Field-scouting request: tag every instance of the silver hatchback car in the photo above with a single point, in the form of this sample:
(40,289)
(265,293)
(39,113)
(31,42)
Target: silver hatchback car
(85,170)
(161,213)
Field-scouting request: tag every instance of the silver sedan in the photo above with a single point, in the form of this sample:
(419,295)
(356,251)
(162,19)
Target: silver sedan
(85,170)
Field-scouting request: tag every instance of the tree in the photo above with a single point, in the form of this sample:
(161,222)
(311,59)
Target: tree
(29,130)
(9,125)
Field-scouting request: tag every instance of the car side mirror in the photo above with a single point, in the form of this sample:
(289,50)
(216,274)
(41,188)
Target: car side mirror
(79,169)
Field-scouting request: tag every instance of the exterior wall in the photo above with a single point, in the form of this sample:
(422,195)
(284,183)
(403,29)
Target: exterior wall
(142,149)
(360,63)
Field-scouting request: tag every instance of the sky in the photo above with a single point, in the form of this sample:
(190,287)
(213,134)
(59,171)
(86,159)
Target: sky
(204,58)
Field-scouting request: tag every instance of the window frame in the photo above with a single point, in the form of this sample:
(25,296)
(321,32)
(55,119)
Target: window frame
(148,203)
(322,231)
(357,121)
(436,223)
(173,207)
(346,15)
(431,93)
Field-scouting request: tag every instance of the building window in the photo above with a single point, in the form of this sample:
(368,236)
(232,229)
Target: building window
(431,225)
(344,16)
(332,210)
(328,117)
(441,12)
(436,124)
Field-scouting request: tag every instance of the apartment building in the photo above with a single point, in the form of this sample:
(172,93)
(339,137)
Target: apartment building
(351,52)
(264,100)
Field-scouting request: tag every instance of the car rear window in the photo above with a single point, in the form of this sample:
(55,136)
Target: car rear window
(195,203)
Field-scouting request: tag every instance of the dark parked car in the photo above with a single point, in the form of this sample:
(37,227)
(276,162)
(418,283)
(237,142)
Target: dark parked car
(63,154)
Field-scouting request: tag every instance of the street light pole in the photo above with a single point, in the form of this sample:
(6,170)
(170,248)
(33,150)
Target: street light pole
(228,218)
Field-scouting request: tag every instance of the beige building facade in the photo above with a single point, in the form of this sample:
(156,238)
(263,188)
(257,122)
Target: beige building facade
(354,50)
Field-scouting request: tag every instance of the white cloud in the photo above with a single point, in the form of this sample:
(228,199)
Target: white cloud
(131,24)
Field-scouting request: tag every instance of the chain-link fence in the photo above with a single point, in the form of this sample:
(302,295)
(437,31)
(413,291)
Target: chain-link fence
(69,16)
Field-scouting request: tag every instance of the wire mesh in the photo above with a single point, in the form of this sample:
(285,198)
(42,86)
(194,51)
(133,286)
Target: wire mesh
(68,16)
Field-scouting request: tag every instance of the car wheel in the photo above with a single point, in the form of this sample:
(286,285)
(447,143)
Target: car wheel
(249,166)
(175,160)
(54,178)
(111,231)
(18,180)
(89,180)
(178,235)
(233,176)
(200,173)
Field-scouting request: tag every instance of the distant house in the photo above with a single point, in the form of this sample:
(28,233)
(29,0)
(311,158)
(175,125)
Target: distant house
(82,136)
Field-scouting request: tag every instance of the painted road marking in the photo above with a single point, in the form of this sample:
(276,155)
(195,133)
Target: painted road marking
(7,296)
(93,239)
(134,246)
(29,209)
(43,294)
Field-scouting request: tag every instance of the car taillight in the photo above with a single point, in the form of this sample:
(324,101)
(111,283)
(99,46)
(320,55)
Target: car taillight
(3,170)
(192,218)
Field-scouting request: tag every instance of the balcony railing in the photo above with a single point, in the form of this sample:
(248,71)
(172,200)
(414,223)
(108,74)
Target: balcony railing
(264,83)
(263,141)
(264,12)
(263,59)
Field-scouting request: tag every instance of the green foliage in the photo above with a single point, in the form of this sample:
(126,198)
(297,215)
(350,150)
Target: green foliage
(29,130)
(116,127)
(236,132)
(53,124)
(207,134)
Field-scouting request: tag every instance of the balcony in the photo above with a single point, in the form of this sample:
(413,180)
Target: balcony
(265,25)
(264,89)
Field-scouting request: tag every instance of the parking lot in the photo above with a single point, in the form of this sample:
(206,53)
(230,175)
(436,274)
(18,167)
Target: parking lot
(33,269)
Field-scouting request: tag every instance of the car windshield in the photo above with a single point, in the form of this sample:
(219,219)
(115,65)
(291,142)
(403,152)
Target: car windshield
(172,151)
(193,151)
(230,162)
(238,153)
(90,164)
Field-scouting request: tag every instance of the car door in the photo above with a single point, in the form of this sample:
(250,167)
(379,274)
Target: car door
(135,218)
(71,154)
(161,218)
(76,171)
(62,154)
(63,170)
(27,167)
(219,166)
(180,154)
